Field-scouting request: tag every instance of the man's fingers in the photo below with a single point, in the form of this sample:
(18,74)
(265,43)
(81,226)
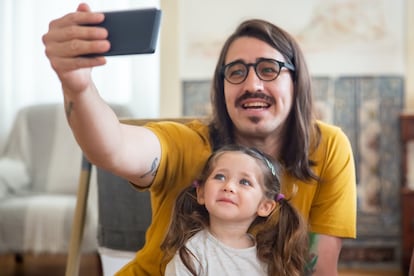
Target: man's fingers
(69,64)
(83,7)
(76,48)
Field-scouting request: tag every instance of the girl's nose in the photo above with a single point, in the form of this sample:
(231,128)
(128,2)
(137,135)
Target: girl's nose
(228,187)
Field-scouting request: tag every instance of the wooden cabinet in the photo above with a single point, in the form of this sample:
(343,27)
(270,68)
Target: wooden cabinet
(407,227)
(407,195)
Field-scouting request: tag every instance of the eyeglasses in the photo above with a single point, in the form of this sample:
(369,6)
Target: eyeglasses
(266,69)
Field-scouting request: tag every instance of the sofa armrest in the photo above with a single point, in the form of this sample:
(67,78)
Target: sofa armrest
(13,176)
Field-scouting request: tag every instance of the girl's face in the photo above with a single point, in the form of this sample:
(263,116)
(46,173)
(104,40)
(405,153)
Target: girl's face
(233,191)
(257,116)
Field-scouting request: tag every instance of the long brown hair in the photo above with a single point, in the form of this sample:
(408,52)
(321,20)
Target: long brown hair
(302,134)
(281,238)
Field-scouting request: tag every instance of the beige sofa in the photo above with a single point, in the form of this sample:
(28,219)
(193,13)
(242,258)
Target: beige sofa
(39,175)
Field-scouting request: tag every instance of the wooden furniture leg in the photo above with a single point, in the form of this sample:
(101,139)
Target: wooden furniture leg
(73,260)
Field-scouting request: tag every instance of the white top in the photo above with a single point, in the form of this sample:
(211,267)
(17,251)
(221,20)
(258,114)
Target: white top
(217,259)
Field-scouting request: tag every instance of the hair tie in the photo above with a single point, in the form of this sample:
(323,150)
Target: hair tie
(196,183)
(279,197)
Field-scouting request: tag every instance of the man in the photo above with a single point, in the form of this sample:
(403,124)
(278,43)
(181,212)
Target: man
(261,98)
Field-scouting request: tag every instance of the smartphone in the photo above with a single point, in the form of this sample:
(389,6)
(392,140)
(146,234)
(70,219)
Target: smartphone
(132,31)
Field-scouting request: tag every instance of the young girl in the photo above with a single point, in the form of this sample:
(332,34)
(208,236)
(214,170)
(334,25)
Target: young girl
(235,221)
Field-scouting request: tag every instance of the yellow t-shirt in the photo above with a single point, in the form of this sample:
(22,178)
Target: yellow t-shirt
(329,205)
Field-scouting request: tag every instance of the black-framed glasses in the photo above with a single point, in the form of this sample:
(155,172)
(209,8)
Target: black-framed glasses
(266,69)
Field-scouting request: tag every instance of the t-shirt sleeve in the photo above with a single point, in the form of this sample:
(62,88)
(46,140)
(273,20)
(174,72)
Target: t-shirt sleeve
(184,150)
(333,209)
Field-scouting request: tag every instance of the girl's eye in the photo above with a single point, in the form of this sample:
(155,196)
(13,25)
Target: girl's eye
(219,176)
(245,182)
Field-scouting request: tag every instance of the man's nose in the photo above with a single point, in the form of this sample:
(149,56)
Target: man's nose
(252,82)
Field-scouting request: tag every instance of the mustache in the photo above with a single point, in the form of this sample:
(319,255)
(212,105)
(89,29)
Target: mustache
(255,95)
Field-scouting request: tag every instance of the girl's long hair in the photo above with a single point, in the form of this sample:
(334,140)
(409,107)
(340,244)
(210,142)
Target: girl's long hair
(188,218)
(281,238)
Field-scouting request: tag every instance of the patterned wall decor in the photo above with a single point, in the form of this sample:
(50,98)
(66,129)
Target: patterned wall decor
(196,96)
(367,109)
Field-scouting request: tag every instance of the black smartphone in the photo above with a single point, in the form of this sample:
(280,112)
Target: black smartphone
(132,31)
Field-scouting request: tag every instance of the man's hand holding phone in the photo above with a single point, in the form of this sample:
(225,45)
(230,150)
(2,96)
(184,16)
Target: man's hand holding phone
(132,31)
(68,41)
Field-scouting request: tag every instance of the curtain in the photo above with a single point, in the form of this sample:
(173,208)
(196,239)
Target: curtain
(26,77)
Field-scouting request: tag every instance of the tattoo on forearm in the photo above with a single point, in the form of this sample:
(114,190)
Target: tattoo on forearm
(313,254)
(153,169)
(68,109)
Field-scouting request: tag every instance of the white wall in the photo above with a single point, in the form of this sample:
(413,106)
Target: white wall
(352,37)
(27,78)
(204,25)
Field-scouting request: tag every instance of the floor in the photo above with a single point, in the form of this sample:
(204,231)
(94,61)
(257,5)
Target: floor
(41,265)
(358,272)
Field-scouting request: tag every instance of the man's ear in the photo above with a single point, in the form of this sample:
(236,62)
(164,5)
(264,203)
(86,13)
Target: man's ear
(200,195)
(266,207)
